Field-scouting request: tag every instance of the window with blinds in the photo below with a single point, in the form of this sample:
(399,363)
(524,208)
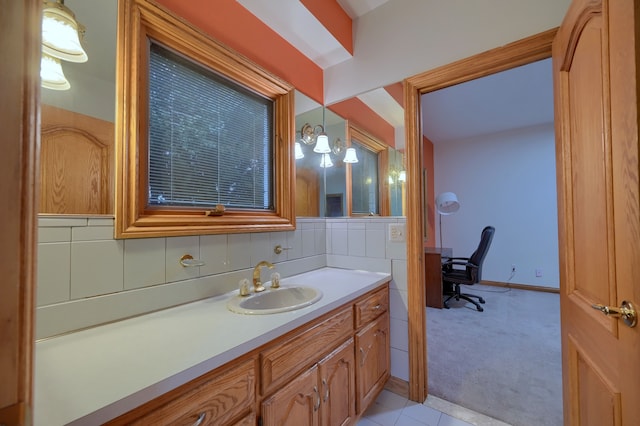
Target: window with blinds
(365,181)
(210,139)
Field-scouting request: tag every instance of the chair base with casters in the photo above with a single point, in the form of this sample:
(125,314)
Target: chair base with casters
(465,296)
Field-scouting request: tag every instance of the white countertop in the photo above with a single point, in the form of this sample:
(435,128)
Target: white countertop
(94,375)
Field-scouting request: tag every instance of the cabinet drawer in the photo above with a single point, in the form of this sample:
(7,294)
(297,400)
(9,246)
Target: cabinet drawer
(372,307)
(216,400)
(283,361)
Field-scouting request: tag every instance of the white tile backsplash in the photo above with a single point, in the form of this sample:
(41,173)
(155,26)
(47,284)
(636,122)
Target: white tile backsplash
(92,233)
(52,235)
(175,249)
(213,252)
(97,267)
(238,251)
(144,262)
(54,273)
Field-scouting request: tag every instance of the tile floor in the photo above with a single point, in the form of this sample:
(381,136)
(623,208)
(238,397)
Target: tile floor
(391,409)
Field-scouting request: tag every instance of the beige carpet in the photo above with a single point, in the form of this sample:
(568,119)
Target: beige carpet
(504,362)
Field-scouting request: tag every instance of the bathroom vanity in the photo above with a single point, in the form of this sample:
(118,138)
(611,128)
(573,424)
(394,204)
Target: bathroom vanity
(202,364)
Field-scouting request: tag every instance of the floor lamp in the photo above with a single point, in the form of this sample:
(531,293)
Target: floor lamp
(446,203)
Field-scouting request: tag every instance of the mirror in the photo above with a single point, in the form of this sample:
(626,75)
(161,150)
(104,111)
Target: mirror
(375,185)
(320,190)
(77,135)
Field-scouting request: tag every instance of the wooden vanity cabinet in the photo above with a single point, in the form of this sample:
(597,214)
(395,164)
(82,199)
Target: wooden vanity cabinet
(225,397)
(323,395)
(323,373)
(372,347)
(373,358)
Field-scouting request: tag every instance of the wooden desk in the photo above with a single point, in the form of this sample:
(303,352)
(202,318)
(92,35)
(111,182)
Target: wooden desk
(433,274)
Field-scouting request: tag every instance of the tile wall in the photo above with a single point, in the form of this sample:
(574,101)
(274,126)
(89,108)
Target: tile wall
(86,277)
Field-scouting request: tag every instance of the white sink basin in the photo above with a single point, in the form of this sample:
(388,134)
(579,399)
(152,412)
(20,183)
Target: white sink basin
(271,301)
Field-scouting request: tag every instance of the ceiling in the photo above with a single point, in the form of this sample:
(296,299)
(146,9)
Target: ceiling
(517,98)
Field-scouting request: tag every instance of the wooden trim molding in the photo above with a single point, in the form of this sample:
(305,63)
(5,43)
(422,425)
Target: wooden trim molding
(512,55)
(142,21)
(522,286)
(397,386)
(20,122)
(372,143)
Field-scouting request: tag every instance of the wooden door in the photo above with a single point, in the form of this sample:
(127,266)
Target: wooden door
(596,89)
(76,163)
(295,404)
(338,386)
(307,193)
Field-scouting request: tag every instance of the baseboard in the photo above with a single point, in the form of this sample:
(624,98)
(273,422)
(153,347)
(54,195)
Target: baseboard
(397,386)
(522,286)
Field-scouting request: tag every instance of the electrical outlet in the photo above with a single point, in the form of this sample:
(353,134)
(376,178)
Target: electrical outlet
(396,232)
(538,272)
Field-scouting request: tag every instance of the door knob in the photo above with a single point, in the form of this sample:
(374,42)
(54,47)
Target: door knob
(626,311)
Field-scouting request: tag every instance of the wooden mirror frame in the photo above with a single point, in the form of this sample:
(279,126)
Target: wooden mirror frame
(373,144)
(138,22)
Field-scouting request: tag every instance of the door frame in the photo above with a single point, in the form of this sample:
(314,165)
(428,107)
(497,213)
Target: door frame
(521,52)
(20,40)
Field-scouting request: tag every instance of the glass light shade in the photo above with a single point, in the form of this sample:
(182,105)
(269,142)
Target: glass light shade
(299,153)
(322,144)
(390,180)
(447,203)
(60,33)
(350,156)
(51,74)
(326,161)
(402,177)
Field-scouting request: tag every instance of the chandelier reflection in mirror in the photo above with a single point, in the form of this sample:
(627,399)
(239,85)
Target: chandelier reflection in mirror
(61,35)
(315,135)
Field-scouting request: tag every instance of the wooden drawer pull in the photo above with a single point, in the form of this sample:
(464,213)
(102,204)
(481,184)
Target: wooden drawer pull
(377,307)
(200,419)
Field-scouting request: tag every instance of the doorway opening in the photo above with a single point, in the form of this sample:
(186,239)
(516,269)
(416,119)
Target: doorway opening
(521,52)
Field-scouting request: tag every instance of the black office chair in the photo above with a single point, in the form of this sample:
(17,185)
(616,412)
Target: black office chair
(466,270)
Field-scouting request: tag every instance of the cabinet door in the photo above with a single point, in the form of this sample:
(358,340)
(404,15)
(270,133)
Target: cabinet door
(337,386)
(372,355)
(296,404)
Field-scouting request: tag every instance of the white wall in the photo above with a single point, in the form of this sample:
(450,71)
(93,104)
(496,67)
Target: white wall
(507,180)
(402,38)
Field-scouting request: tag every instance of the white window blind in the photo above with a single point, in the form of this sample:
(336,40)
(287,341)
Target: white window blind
(210,139)
(364,197)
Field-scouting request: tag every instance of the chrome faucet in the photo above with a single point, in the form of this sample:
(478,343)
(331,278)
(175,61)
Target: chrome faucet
(257,285)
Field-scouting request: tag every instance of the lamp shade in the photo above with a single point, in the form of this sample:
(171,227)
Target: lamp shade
(299,153)
(350,156)
(447,203)
(51,74)
(322,144)
(60,33)
(325,161)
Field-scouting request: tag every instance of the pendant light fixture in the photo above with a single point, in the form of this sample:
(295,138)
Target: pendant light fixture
(61,32)
(350,156)
(298,152)
(51,73)
(325,161)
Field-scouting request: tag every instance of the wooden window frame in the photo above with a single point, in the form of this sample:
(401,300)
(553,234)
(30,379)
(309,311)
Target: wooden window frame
(377,146)
(138,22)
